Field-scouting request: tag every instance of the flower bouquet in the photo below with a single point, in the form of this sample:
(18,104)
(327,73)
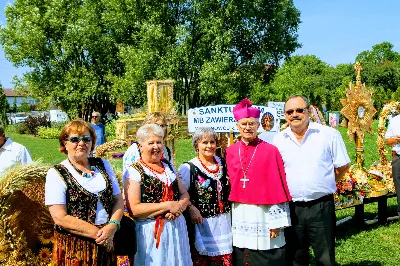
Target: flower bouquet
(349,192)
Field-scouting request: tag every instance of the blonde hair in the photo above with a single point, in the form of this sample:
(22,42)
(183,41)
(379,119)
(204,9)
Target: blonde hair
(154,117)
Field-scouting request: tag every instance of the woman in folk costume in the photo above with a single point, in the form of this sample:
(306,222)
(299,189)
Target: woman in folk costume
(156,198)
(259,194)
(84,200)
(206,180)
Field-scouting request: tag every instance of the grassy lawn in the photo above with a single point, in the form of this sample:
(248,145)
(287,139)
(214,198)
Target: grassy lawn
(372,245)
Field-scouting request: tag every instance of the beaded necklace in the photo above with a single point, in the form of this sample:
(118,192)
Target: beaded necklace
(208,169)
(84,174)
(154,171)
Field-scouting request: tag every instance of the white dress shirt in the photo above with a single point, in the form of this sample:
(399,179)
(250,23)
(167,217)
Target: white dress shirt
(393,130)
(12,153)
(268,136)
(310,165)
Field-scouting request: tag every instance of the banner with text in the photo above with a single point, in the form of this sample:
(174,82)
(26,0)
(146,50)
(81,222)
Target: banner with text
(220,118)
(280,108)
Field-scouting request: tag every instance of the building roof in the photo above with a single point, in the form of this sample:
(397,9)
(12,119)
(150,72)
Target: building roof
(11,93)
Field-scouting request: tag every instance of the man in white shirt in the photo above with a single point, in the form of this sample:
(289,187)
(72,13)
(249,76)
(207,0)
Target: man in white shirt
(393,139)
(314,157)
(11,153)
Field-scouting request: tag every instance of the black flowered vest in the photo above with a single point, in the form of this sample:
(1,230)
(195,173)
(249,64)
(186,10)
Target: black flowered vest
(205,195)
(81,203)
(152,188)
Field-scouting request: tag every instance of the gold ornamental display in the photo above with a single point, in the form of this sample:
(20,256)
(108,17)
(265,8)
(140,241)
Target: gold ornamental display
(382,170)
(160,94)
(359,110)
(386,111)
(159,99)
(358,107)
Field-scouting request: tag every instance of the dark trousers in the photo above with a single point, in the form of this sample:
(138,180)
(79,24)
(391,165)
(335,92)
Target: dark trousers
(396,178)
(313,224)
(272,257)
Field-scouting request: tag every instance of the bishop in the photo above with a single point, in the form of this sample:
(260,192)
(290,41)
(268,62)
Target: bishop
(259,193)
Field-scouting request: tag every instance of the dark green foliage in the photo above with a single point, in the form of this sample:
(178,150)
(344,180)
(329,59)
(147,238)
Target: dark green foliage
(322,83)
(24,107)
(3,107)
(87,55)
(32,123)
(21,128)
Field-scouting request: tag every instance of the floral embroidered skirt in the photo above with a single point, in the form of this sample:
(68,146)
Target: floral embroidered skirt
(124,261)
(69,250)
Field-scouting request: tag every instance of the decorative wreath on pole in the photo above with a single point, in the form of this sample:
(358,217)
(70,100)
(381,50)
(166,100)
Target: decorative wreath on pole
(383,169)
(386,111)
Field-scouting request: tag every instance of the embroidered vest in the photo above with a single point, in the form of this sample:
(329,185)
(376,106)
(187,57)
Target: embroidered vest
(205,195)
(152,188)
(81,203)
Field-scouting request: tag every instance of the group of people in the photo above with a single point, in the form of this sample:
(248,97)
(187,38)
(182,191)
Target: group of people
(264,204)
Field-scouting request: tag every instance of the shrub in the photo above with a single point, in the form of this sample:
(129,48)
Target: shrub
(110,129)
(33,123)
(21,128)
(59,125)
(48,132)
(12,129)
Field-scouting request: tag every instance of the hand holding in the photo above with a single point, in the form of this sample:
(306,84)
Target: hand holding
(195,215)
(175,208)
(106,234)
(170,216)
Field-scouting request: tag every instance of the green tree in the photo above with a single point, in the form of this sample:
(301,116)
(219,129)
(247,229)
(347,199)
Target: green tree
(381,66)
(86,55)
(24,107)
(3,107)
(225,45)
(68,49)
(304,75)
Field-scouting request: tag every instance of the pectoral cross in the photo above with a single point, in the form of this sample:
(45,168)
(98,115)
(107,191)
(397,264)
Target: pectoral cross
(244,180)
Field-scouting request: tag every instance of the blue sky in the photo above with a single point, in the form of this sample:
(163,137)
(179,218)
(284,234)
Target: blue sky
(336,31)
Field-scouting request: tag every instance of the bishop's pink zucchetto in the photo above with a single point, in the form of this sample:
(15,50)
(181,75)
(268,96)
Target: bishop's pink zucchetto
(244,110)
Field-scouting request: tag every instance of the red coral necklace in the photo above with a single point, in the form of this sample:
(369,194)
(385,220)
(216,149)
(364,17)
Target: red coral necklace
(216,170)
(154,171)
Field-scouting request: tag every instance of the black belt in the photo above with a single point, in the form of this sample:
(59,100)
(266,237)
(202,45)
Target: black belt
(313,202)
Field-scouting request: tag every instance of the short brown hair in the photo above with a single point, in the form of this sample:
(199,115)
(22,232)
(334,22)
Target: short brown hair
(154,117)
(75,126)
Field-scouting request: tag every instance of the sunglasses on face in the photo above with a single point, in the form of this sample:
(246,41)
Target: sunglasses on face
(94,116)
(297,110)
(77,139)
